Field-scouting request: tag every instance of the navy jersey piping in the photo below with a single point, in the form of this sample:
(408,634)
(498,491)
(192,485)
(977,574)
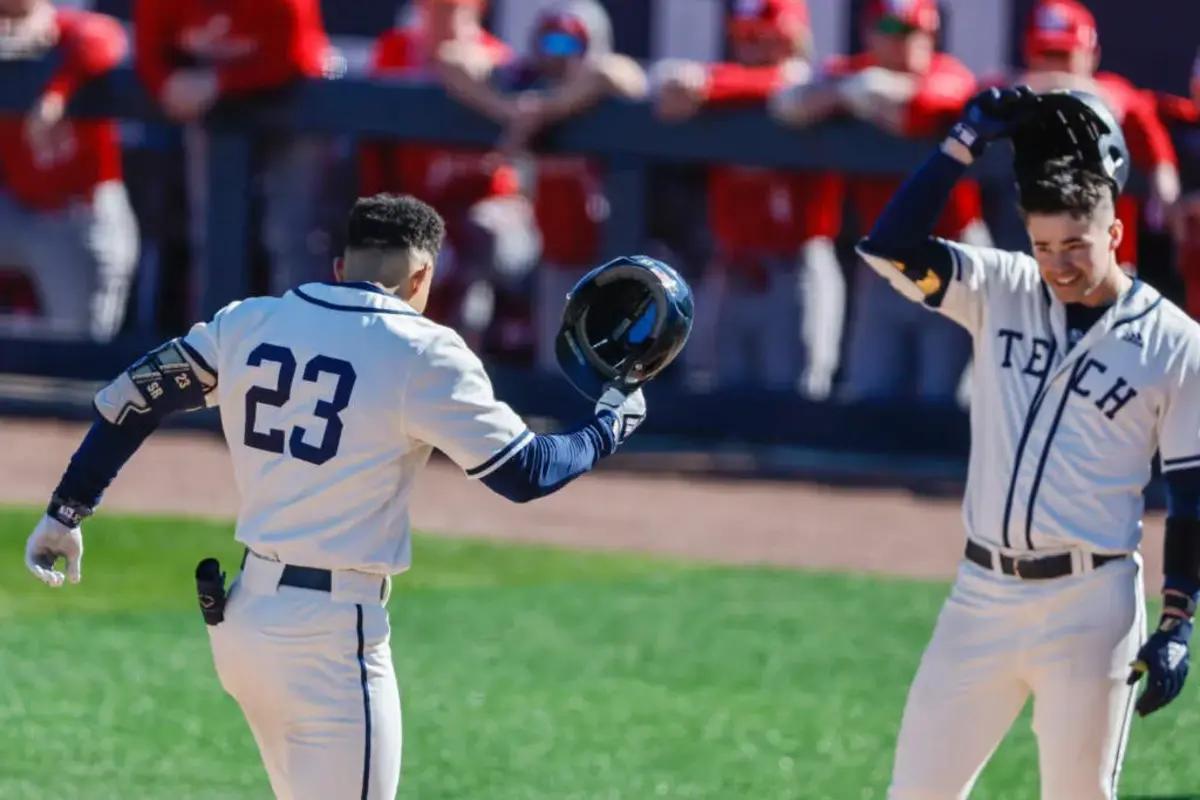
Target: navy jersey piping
(500,454)
(1030,416)
(1176,463)
(359,309)
(1138,315)
(1080,365)
(195,356)
(366,286)
(362,672)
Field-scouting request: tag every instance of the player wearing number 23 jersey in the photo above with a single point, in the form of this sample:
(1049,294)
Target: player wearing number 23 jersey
(331,399)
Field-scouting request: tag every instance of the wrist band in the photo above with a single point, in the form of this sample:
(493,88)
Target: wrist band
(68,512)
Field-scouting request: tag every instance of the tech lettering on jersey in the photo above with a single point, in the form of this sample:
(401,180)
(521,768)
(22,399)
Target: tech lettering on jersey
(1036,360)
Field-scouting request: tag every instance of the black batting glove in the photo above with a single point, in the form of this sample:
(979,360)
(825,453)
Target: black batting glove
(993,114)
(1164,656)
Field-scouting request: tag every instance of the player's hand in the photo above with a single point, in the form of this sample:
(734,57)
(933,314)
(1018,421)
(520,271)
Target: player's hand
(527,116)
(629,410)
(679,89)
(993,114)
(1164,660)
(49,136)
(876,95)
(189,93)
(50,541)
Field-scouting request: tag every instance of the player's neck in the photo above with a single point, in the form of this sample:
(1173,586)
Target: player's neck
(1115,284)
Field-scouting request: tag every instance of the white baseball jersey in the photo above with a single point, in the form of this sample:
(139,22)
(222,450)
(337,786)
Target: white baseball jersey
(1063,437)
(332,398)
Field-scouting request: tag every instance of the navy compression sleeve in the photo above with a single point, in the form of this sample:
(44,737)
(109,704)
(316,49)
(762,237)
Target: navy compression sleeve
(901,235)
(909,217)
(1181,555)
(100,457)
(551,461)
(172,377)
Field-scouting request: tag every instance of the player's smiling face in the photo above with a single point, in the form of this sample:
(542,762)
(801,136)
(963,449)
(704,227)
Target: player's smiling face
(1077,255)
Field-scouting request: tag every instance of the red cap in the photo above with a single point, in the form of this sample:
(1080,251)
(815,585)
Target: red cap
(754,18)
(567,26)
(1060,26)
(919,14)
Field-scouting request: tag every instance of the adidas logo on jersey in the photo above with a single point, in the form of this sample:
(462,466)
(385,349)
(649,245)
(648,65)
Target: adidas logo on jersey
(1134,338)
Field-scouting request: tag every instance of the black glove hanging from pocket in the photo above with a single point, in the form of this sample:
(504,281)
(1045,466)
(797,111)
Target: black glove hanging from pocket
(210,590)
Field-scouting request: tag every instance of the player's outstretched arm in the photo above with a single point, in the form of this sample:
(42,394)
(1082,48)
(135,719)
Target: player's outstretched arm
(900,246)
(449,403)
(551,461)
(1164,657)
(172,377)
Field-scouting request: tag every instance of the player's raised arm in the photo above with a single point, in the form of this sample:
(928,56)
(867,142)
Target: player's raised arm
(624,323)
(176,376)
(901,247)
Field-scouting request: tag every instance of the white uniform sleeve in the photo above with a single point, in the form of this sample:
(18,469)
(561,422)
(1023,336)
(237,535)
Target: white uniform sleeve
(1179,428)
(449,403)
(202,346)
(979,273)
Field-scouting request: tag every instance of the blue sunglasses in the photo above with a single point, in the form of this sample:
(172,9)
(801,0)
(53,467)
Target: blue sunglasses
(560,44)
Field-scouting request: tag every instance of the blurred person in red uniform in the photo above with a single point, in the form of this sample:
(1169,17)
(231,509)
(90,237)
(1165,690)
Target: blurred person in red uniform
(571,67)
(1062,51)
(903,86)
(775,284)
(192,53)
(65,217)
(1182,116)
(492,239)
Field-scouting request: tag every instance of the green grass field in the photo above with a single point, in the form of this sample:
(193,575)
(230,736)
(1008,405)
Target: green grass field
(527,673)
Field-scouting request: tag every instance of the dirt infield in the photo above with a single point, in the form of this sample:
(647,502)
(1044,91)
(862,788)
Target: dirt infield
(729,521)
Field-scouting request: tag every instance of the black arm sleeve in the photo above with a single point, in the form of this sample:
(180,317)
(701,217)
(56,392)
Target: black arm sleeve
(1181,546)
(170,378)
(902,234)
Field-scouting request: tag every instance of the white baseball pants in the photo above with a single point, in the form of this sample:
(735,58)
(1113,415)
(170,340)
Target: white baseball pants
(1067,641)
(81,260)
(312,672)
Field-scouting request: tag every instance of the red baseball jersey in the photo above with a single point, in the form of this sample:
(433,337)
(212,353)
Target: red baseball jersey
(448,178)
(81,153)
(251,44)
(941,94)
(571,208)
(1183,115)
(762,212)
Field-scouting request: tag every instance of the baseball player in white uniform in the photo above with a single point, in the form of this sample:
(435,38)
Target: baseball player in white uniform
(1081,374)
(331,399)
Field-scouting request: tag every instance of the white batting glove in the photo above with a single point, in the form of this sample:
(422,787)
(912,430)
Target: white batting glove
(630,410)
(50,541)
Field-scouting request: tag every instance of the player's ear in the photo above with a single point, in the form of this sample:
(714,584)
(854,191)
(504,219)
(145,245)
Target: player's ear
(339,269)
(1116,234)
(419,278)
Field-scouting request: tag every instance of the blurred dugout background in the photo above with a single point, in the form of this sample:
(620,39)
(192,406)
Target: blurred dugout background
(108,239)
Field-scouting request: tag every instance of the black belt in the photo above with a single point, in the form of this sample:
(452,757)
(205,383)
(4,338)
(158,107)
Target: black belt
(1033,568)
(315,578)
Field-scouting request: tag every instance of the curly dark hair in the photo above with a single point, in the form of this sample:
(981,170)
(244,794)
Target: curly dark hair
(394,222)
(1062,184)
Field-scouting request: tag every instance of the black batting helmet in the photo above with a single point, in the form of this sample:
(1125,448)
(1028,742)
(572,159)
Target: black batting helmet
(1077,124)
(624,322)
